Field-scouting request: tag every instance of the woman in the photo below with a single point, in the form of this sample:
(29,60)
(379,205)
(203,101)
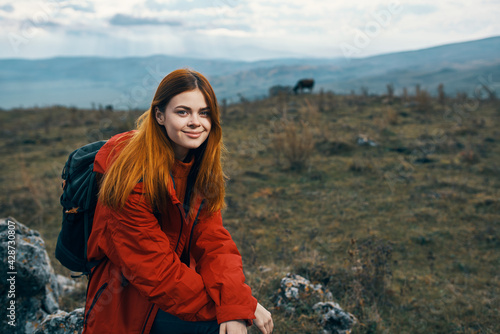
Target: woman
(169,265)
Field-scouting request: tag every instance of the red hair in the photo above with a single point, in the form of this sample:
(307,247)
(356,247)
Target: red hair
(148,154)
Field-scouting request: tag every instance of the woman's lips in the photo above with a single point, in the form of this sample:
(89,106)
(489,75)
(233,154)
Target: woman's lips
(193,134)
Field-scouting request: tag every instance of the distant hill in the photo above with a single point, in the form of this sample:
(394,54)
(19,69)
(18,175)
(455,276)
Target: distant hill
(128,83)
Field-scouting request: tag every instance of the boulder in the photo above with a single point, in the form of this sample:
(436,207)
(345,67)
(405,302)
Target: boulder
(298,293)
(296,290)
(29,288)
(333,318)
(31,291)
(62,322)
(68,286)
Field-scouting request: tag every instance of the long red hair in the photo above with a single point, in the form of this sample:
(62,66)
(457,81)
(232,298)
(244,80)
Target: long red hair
(148,154)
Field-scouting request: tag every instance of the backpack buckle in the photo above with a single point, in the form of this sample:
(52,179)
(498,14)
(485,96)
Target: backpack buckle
(73,210)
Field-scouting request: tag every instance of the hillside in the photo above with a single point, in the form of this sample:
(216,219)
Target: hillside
(128,83)
(391,204)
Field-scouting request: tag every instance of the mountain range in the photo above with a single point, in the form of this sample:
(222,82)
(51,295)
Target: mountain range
(129,83)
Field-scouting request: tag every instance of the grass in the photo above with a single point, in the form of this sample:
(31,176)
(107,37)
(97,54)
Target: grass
(404,234)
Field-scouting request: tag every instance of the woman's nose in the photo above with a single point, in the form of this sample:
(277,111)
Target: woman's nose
(193,120)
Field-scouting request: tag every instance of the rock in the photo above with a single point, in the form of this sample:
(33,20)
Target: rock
(62,323)
(295,288)
(298,292)
(334,319)
(363,140)
(68,285)
(264,269)
(32,290)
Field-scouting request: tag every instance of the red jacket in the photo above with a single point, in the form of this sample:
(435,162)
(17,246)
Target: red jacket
(142,271)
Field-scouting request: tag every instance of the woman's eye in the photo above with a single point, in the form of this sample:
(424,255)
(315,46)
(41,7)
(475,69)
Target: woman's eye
(205,113)
(181,112)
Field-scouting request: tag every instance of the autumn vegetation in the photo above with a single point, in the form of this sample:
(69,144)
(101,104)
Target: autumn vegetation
(404,233)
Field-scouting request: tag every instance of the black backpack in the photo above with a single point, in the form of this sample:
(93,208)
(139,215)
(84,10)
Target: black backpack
(78,200)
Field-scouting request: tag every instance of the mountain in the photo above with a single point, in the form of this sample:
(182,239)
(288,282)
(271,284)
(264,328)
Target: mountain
(128,83)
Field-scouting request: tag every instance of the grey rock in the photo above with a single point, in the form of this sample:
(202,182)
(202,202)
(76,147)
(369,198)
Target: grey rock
(296,291)
(67,285)
(363,140)
(62,322)
(294,288)
(32,289)
(334,319)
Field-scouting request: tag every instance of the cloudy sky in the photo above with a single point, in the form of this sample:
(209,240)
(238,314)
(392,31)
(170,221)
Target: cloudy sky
(238,29)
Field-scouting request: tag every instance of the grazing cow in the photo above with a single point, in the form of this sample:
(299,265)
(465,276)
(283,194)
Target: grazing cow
(303,84)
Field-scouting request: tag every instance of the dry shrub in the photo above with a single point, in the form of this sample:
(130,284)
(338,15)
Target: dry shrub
(468,156)
(405,95)
(310,112)
(294,141)
(441,95)
(366,281)
(370,262)
(391,116)
(390,91)
(362,287)
(423,100)
(360,166)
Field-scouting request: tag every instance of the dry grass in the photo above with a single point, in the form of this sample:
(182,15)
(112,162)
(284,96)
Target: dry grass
(294,141)
(427,243)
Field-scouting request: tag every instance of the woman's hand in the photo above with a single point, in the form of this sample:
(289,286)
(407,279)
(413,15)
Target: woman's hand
(263,320)
(233,327)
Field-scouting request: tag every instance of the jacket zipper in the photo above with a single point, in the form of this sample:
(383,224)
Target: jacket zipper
(96,297)
(182,217)
(147,318)
(180,233)
(194,224)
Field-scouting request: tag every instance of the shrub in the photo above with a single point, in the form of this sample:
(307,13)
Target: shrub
(468,156)
(360,166)
(441,95)
(366,281)
(423,100)
(294,141)
(391,116)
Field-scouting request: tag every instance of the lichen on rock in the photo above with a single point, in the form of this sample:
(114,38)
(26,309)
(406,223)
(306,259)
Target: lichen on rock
(62,322)
(298,295)
(36,288)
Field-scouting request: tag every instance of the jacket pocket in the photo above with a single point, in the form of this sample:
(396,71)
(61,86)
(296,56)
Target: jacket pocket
(94,301)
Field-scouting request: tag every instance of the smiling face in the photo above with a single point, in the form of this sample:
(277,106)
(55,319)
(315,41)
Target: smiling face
(186,119)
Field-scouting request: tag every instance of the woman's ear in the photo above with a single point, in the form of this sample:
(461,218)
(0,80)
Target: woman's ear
(159,116)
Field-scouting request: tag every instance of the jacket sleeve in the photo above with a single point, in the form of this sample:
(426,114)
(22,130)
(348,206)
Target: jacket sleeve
(220,265)
(133,240)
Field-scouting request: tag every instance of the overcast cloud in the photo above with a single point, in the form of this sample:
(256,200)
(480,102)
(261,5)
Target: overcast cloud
(238,29)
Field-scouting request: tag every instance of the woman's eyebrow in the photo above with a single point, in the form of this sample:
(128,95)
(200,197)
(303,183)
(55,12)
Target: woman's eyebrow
(188,108)
(182,106)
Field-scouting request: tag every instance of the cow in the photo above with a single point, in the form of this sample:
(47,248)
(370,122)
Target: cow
(303,84)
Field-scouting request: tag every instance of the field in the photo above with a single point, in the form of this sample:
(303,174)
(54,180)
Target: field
(392,203)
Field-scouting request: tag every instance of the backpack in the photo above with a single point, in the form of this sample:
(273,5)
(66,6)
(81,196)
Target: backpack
(79,200)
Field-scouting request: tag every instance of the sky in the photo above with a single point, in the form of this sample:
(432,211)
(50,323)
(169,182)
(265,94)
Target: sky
(238,29)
